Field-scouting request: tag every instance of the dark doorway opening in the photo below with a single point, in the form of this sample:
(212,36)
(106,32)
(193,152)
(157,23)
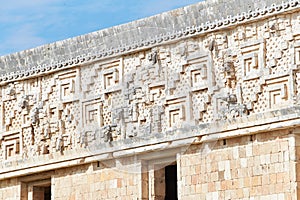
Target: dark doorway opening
(36,187)
(171,182)
(47,193)
(41,192)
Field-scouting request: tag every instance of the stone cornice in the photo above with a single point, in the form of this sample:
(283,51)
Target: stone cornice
(170,37)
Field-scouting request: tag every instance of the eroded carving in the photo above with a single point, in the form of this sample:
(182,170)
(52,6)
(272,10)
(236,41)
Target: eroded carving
(224,75)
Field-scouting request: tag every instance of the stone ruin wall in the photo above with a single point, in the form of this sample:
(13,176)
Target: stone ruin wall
(236,77)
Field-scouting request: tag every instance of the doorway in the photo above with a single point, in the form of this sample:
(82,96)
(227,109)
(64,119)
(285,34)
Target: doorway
(171,182)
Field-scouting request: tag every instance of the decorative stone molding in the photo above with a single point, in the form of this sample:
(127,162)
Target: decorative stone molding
(157,40)
(180,87)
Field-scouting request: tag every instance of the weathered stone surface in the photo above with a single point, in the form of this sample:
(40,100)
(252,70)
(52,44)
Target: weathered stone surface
(220,100)
(129,34)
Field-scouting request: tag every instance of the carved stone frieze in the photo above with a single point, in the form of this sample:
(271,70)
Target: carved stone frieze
(187,78)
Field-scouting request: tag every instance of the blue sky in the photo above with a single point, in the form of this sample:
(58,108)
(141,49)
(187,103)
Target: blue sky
(31,23)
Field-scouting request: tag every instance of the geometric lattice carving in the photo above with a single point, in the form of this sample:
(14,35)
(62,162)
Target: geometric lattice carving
(156,121)
(279,92)
(201,102)
(110,78)
(176,115)
(297,53)
(199,69)
(12,143)
(251,90)
(11,121)
(92,113)
(167,87)
(111,75)
(174,79)
(68,85)
(156,91)
(177,112)
(253,59)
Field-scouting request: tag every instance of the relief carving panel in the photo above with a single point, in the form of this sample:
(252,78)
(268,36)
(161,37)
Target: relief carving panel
(11,143)
(220,76)
(253,59)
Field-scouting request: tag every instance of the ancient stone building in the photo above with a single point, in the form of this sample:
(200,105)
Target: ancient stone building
(202,102)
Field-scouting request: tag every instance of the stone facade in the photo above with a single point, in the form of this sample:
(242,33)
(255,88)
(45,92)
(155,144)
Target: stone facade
(210,106)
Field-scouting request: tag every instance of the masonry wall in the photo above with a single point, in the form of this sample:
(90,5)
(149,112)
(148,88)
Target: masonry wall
(297,156)
(260,166)
(10,189)
(104,125)
(96,181)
